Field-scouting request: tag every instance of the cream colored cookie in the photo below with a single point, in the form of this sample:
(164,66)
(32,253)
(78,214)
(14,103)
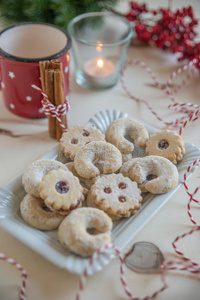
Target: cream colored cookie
(168,144)
(118,131)
(126,157)
(78,136)
(116,195)
(35,213)
(86,182)
(35,171)
(91,203)
(73,232)
(154,174)
(61,191)
(94,152)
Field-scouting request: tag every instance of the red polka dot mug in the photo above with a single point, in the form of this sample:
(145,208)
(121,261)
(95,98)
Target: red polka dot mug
(22,46)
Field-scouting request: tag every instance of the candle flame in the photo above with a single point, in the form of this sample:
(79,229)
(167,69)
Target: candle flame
(100,63)
(99,46)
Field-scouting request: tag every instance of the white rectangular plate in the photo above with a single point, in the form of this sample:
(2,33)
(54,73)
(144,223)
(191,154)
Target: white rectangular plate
(46,243)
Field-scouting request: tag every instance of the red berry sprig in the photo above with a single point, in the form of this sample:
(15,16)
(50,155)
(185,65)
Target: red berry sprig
(174,31)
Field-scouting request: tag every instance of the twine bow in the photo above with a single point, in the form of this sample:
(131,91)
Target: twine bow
(52,110)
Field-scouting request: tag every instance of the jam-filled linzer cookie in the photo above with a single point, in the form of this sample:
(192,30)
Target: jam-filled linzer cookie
(77,136)
(118,131)
(61,191)
(116,195)
(168,144)
(35,171)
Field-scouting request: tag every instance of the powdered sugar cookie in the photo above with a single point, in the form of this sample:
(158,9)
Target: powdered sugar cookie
(73,232)
(92,153)
(34,212)
(78,136)
(61,191)
(86,182)
(118,131)
(168,144)
(154,174)
(116,195)
(35,171)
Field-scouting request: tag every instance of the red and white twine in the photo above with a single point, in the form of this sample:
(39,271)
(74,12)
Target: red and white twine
(186,264)
(122,275)
(52,110)
(23,273)
(191,110)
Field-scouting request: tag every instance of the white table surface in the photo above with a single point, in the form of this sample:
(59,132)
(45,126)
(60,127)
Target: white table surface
(46,281)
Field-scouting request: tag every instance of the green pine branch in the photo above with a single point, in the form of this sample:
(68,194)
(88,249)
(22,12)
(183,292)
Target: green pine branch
(57,12)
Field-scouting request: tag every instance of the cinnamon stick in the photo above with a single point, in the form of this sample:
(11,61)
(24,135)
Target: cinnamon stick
(47,83)
(56,64)
(52,81)
(59,96)
(43,65)
(49,90)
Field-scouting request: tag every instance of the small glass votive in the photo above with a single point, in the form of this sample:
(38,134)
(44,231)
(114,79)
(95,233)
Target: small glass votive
(100,43)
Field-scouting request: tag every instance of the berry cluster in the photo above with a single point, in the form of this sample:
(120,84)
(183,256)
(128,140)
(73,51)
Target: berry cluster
(165,29)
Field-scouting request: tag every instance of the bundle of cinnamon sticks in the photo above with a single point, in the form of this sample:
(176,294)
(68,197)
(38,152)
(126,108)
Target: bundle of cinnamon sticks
(52,80)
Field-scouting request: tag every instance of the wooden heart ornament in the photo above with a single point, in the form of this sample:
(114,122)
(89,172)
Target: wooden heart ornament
(144,257)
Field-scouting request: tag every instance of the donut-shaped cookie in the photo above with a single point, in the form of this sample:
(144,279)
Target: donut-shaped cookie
(61,191)
(116,195)
(168,144)
(78,136)
(73,232)
(92,153)
(85,182)
(35,213)
(154,174)
(35,171)
(118,131)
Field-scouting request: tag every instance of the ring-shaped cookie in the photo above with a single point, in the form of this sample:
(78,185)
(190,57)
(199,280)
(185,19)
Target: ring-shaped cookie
(92,153)
(168,144)
(154,174)
(85,182)
(73,232)
(35,171)
(35,213)
(77,136)
(118,131)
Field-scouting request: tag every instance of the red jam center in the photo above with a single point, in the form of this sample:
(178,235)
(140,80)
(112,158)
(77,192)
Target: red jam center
(107,190)
(62,187)
(122,185)
(74,141)
(85,132)
(162,145)
(122,199)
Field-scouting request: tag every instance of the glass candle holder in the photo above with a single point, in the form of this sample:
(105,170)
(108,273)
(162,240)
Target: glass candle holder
(100,43)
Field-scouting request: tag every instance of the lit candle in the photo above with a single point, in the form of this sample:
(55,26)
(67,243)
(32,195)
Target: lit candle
(99,67)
